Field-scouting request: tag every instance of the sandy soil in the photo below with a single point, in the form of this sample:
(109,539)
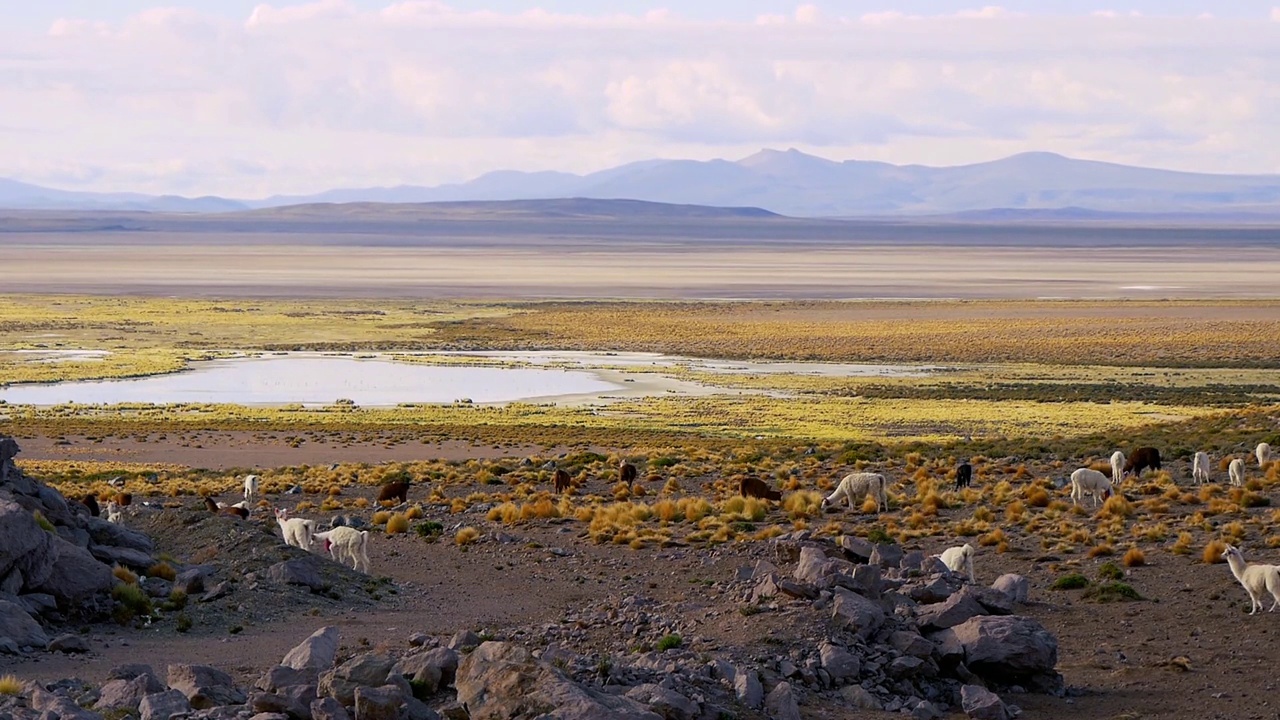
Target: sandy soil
(1115,657)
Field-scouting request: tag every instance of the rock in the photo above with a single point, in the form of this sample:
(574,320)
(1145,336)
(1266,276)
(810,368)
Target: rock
(464,639)
(856,548)
(127,694)
(781,703)
(839,663)
(1006,649)
(37,604)
(327,708)
(857,613)
(369,670)
(861,698)
(669,704)
(378,703)
(947,646)
(500,680)
(912,644)
(128,557)
(993,601)
(905,667)
(796,590)
(59,706)
(1015,587)
(886,555)
(933,590)
(912,560)
(192,580)
(454,711)
(296,706)
(954,610)
(68,643)
(299,571)
(814,566)
(865,580)
(204,686)
(164,705)
(156,587)
(746,685)
(925,710)
(281,676)
(109,534)
(76,576)
(24,545)
(130,671)
(982,704)
(317,652)
(413,709)
(432,669)
(18,626)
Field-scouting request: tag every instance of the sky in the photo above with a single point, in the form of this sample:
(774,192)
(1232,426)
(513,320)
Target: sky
(243,99)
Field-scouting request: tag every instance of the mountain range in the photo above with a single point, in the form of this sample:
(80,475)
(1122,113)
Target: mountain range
(785,182)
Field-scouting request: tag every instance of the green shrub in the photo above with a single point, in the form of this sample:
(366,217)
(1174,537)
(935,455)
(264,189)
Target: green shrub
(1074,581)
(1110,571)
(1112,592)
(669,642)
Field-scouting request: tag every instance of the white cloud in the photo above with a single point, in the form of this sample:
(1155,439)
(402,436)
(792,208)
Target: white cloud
(300,97)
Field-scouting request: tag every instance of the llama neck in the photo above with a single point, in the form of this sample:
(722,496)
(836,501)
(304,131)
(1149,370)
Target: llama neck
(1237,565)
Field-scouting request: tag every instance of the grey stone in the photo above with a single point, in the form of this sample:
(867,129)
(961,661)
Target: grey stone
(327,708)
(982,704)
(299,571)
(925,710)
(369,670)
(839,663)
(433,669)
(669,704)
(205,686)
(109,534)
(281,676)
(905,666)
(912,560)
(781,703)
(20,627)
(814,566)
(857,613)
(192,580)
(38,603)
(746,685)
(164,705)
(464,639)
(934,589)
(59,706)
(497,681)
(861,698)
(1007,647)
(281,704)
(128,557)
(909,643)
(954,610)
(856,548)
(24,545)
(217,592)
(316,652)
(886,555)
(121,693)
(75,576)
(69,643)
(1015,587)
(378,703)
(130,671)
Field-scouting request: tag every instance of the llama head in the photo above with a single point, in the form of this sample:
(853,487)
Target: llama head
(1232,551)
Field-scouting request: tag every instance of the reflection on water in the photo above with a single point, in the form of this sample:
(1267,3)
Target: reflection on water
(302,378)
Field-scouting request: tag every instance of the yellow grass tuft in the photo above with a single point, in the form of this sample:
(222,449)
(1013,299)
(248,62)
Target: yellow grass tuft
(1116,506)
(694,509)
(1213,552)
(381,517)
(868,505)
(335,490)
(361,503)
(507,513)
(414,513)
(995,537)
(10,685)
(667,511)
(162,570)
(466,536)
(397,523)
(1134,557)
(803,503)
(1015,512)
(1037,497)
(1101,550)
(125,575)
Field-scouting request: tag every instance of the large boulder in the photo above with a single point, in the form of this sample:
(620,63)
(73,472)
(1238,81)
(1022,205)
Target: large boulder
(1009,649)
(299,571)
(951,612)
(121,694)
(368,670)
(857,613)
(164,705)
(781,703)
(1014,586)
(110,534)
(19,627)
(839,663)
(128,557)
(378,703)
(64,708)
(75,576)
(500,680)
(430,670)
(24,545)
(316,652)
(204,686)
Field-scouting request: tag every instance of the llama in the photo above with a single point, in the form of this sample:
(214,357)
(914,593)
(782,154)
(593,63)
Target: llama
(964,475)
(1254,578)
(1235,471)
(91,501)
(297,532)
(237,512)
(1117,467)
(560,479)
(1263,453)
(860,485)
(251,486)
(1200,467)
(1088,480)
(1142,458)
(627,474)
(113,513)
(757,488)
(959,559)
(343,543)
(394,491)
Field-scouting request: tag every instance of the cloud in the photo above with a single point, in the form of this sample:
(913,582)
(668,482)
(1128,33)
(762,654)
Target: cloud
(298,97)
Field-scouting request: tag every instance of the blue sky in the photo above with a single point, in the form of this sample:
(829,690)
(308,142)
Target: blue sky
(236,98)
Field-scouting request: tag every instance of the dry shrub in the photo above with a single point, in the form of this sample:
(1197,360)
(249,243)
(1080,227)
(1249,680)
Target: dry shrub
(1116,506)
(1101,550)
(381,517)
(162,570)
(125,575)
(983,514)
(803,503)
(335,490)
(667,511)
(1015,512)
(1037,497)
(995,537)
(540,509)
(466,536)
(506,513)
(361,503)
(456,505)
(869,504)
(329,505)
(672,487)
(397,523)
(1134,557)
(695,509)
(1234,532)
(414,513)
(1213,552)
(10,685)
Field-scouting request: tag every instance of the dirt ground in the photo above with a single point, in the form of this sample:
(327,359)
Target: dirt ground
(1115,657)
